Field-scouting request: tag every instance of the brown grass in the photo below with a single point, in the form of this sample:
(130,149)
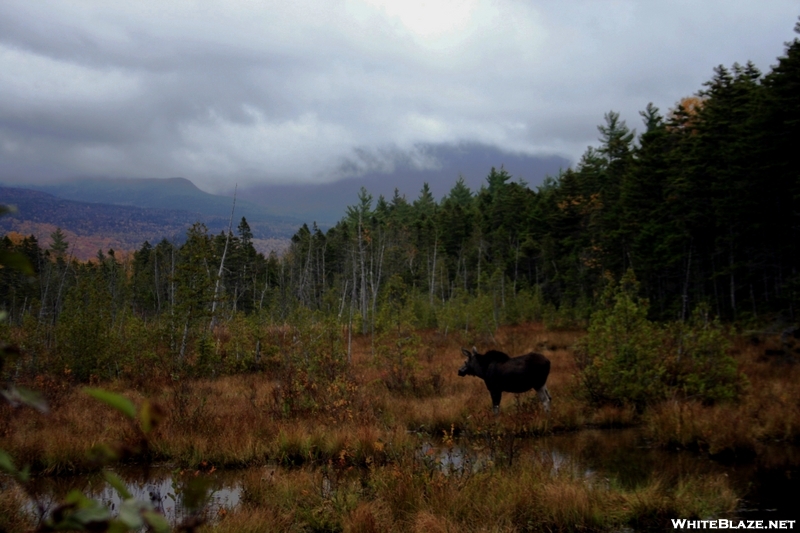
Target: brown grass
(12,518)
(237,420)
(405,495)
(367,517)
(363,438)
(768,411)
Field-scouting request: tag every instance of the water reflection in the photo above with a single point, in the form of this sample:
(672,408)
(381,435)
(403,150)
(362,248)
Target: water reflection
(769,484)
(178,495)
(451,459)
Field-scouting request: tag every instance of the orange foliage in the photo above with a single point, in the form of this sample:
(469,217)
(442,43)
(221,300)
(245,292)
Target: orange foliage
(81,247)
(688,108)
(691,104)
(15,238)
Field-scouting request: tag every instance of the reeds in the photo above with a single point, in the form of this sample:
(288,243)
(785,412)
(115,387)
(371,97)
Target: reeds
(409,495)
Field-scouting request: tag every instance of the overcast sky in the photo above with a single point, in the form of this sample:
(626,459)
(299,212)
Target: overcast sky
(262,91)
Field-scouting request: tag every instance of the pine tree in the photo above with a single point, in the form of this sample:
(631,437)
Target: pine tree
(58,244)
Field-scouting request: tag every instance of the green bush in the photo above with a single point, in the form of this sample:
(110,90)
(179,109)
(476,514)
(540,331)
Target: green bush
(397,344)
(312,364)
(627,359)
(700,365)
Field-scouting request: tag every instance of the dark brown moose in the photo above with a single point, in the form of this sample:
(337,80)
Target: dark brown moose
(508,374)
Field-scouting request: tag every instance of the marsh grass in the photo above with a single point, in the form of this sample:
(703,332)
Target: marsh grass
(13,517)
(239,421)
(344,454)
(769,411)
(409,495)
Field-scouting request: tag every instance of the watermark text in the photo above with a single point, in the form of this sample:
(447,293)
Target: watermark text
(682,523)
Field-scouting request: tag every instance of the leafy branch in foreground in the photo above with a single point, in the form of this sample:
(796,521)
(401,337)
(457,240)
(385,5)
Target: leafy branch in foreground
(77,511)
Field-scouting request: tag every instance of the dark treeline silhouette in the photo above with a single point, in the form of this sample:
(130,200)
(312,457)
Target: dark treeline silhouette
(703,206)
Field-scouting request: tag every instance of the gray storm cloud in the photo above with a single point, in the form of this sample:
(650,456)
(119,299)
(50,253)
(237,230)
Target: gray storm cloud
(312,91)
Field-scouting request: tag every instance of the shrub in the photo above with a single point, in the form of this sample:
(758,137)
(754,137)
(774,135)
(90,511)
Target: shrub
(700,365)
(627,359)
(314,369)
(621,357)
(397,345)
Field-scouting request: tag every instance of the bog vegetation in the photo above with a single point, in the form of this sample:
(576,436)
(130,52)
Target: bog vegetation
(327,356)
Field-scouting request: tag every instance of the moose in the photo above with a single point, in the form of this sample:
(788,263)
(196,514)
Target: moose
(503,373)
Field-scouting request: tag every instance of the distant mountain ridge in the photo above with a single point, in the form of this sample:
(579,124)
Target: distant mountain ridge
(326,203)
(93,226)
(125,191)
(158,193)
(128,211)
(279,204)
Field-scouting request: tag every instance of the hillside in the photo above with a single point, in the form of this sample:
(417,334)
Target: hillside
(278,204)
(93,226)
(155,193)
(326,202)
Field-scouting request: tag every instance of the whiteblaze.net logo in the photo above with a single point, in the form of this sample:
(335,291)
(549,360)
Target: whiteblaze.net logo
(682,523)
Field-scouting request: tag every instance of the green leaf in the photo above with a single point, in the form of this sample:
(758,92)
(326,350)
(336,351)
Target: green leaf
(117,526)
(24,474)
(119,485)
(130,513)
(94,513)
(7,464)
(17,261)
(156,521)
(33,399)
(117,401)
(77,498)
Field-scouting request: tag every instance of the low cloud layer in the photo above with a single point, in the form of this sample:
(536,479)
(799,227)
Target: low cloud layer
(275,92)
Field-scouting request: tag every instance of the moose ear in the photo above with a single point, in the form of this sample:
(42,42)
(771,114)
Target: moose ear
(474,350)
(466,352)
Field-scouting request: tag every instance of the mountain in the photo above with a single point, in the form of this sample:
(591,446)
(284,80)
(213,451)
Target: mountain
(279,206)
(325,203)
(101,213)
(169,193)
(99,226)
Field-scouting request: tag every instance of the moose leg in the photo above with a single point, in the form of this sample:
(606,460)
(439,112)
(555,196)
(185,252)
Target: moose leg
(496,395)
(544,396)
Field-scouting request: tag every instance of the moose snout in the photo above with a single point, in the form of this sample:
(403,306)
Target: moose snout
(462,371)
